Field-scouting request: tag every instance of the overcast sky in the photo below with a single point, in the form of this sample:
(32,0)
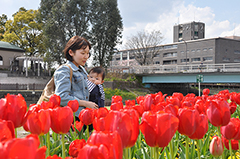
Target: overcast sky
(221,17)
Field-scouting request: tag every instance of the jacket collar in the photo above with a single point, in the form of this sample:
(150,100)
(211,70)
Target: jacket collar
(75,68)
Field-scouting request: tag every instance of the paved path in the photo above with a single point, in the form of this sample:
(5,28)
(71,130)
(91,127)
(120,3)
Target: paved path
(22,80)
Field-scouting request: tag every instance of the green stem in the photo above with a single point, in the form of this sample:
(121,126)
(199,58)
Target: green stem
(125,153)
(219,131)
(171,149)
(87,131)
(139,140)
(198,149)
(156,156)
(48,145)
(74,125)
(130,152)
(230,148)
(187,147)
(41,140)
(16,132)
(63,147)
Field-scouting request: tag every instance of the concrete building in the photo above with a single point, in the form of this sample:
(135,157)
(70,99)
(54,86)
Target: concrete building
(8,54)
(194,49)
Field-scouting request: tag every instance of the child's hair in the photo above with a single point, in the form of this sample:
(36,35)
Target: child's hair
(75,43)
(98,70)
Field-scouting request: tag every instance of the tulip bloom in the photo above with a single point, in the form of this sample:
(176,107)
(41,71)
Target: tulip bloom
(26,148)
(73,104)
(75,147)
(38,122)
(158,128)
(201,129)
(206,91)
(188,121)
(116,99)
(61,119)
(14,108)
(6,130)
(116,105)
(111,140)
(101,112)
(90,151)
(218,112)
(147,102)
(87,116)
(216,146)
(231,130)
(234,143)
(56,100)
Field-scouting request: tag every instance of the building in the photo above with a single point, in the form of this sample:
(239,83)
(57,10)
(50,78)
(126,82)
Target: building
(194,49)
(8,54)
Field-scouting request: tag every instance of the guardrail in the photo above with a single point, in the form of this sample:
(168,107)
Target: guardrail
(196,68)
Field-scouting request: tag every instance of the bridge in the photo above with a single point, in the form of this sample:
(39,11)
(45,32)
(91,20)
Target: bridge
(204,73)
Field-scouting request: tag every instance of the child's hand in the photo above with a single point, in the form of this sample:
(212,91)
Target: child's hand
(89,104)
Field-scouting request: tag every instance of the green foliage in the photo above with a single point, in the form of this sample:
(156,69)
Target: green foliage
(106,30)
(124,94)
(25,31)
(3,20)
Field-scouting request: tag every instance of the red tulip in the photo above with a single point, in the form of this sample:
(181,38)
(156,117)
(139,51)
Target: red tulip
(235,97)
(147,102)
(135,125)
(7,130)
(116,105)
(116,99)
(26,148)
(122,123)
(216,146)
(188,121)
(111,140)
(200,106)
(201,129)
(47,105)
(158,128)
(56,100)
(54,157)
(38,122)
(139,109)
(206,91)
(234,143)
(231,130)
(173,100)
(233,107)
(218,112)
(13,108)
(61,119)
(73,104)
(87,116)
(75,147)
(139,99)
(101,112)
(130,103)
(79,125)
(158,97)
(90,151)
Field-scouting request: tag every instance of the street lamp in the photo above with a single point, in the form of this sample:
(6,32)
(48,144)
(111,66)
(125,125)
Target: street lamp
(186,50)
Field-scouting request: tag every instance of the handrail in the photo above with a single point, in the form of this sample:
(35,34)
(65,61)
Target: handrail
(194,68)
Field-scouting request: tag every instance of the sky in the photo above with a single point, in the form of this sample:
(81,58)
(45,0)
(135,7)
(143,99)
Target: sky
(221,17)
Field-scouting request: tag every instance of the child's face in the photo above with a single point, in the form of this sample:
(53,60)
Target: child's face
(95,78)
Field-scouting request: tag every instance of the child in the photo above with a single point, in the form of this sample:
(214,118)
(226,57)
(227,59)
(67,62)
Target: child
(94,82)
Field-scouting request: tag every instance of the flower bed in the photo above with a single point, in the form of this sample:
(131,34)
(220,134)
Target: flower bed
(152,126)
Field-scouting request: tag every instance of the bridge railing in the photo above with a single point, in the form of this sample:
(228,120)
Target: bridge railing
(195,68)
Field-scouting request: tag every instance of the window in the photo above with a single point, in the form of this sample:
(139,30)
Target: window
(169,62)
(184,60)
(193,51)
(118,58)
(1,60)
(157,62)
(236,51)
(198,50)
(170,54)
(196,59)
(195,33)
(236,60)
(180,35)
(157,55)
(226,59)
(205,49)
(207,58)
(131,57)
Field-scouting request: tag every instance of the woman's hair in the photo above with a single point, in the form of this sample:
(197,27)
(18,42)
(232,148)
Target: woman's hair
(75,43)
(98,70)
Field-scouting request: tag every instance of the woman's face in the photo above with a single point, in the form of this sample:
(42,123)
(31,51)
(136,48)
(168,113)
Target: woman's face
(80,56)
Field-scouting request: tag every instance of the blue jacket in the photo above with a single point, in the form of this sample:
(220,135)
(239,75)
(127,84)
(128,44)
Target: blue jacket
(77,90)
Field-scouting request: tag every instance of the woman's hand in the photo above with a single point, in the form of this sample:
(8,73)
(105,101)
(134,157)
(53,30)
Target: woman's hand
(88,104)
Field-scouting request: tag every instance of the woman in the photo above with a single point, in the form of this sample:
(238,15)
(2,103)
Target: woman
(76,52)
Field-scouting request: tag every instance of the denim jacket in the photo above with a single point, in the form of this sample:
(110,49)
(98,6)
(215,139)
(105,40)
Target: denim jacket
(78,89)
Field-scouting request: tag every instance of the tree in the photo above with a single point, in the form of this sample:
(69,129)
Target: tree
(106,30)
(63,19)
(144,45)
(25,31)
(3,20)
